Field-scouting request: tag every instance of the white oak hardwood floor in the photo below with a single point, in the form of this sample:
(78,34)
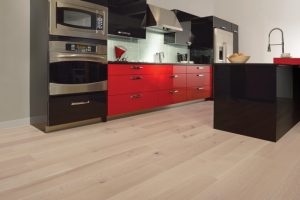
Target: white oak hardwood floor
(171,154)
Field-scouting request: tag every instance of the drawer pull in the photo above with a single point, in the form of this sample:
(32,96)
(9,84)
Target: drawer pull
(200,75)
(134,78)
(200,68)
(80,103)
(223,27)
(174,76)
(124,33)
(200,88)
(136,67)
(174,91)
(136,96)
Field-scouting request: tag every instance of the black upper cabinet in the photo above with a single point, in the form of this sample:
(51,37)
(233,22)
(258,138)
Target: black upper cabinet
(235,30)
(100,2)
(127,18)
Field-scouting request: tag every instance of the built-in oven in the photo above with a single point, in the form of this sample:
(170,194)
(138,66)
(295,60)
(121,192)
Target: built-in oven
(77,82)
(75,18)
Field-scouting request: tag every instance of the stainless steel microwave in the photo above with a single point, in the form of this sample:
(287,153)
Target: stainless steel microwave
(75,18)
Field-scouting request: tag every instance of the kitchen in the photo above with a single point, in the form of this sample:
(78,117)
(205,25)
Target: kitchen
(184,110)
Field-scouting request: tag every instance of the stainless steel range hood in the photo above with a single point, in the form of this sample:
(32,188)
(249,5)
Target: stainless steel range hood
(162,20)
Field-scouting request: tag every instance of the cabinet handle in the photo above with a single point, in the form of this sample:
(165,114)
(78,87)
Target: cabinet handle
(136,67)
(136,96)
(200,88)
(223,27)
(80,103)
(200,75)
(124,33)
(235,31)
(200,67)
(174,76)
(134,78)
(174,91)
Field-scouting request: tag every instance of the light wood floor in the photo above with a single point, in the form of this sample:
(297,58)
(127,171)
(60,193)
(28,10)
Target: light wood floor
(172,154)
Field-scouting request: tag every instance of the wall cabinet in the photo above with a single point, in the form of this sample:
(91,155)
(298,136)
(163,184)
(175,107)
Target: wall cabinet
(126,18)
(136,87)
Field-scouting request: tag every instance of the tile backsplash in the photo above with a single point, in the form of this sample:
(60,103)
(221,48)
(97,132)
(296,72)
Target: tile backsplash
(144,50)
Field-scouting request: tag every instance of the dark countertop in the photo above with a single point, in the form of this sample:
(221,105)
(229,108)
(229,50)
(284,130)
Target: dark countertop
(148,63)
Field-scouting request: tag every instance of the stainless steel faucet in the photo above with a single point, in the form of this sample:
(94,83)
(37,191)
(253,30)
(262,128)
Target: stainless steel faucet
(282,40)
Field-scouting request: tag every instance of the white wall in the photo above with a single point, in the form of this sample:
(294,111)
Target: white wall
(197,7)
(256,18)
(14,59)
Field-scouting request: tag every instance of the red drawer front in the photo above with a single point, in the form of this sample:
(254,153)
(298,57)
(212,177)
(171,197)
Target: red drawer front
(203,92)
(167,97)
(199,69)
(170,81)
(123,69)
(120,104)
(200,79)
(179,69)
(131,83)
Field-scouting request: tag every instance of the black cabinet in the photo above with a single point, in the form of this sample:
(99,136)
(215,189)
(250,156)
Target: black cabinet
(202,49)
(100,2)
(127,18)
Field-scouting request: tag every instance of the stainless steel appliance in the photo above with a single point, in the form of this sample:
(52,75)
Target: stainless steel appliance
(75,18)
(77,83)
(223,45)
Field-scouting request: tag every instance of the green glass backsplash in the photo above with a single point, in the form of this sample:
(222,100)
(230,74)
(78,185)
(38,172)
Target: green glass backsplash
(144,50)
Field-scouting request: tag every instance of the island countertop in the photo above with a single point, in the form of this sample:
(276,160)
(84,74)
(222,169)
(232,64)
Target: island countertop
(257,100)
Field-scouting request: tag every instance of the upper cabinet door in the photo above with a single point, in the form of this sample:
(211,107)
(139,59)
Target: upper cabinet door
(100,2)
(127,18)
(222,24)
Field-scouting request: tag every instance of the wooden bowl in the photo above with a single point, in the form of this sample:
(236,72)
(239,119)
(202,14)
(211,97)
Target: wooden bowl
(238,59)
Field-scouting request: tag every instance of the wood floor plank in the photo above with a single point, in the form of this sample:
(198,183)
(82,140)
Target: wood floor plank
(170,154)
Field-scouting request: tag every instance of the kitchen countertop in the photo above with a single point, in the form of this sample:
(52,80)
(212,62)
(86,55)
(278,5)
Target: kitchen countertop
(149,63)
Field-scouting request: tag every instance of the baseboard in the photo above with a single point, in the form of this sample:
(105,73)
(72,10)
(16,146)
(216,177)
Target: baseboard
(15,123)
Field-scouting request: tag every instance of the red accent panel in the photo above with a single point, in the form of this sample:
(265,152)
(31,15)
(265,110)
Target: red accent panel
(194,93)
(200,79)
(120,104)
(198,69)
(287,61)
(123,69)
(131,83)
(167,97)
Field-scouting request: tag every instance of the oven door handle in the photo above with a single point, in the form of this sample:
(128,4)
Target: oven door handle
(61,89)
(61,57)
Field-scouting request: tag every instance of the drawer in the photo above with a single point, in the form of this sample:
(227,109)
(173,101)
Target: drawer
(203,92)
(131,83)
(167,97)
(123,69)
(170,81)
(198,69)
(73,108)
(179,69)
(121,104)
(200,79)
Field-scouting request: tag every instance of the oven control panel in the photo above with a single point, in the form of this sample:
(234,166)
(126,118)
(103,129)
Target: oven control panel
(81,48)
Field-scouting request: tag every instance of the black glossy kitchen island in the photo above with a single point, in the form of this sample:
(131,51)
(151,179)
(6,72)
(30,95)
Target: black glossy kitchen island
(256,100)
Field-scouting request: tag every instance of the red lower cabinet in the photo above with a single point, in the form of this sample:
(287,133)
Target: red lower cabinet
(198,79)
(167,97)
(201,92)
(120,104)
(170,81)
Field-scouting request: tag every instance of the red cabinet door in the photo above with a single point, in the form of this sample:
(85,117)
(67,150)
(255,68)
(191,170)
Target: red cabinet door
(121,104)
(198,69)
(131,83)
(170,81)
(123,69)
(179,69)
(167,97)
(202,92)
(199,79)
